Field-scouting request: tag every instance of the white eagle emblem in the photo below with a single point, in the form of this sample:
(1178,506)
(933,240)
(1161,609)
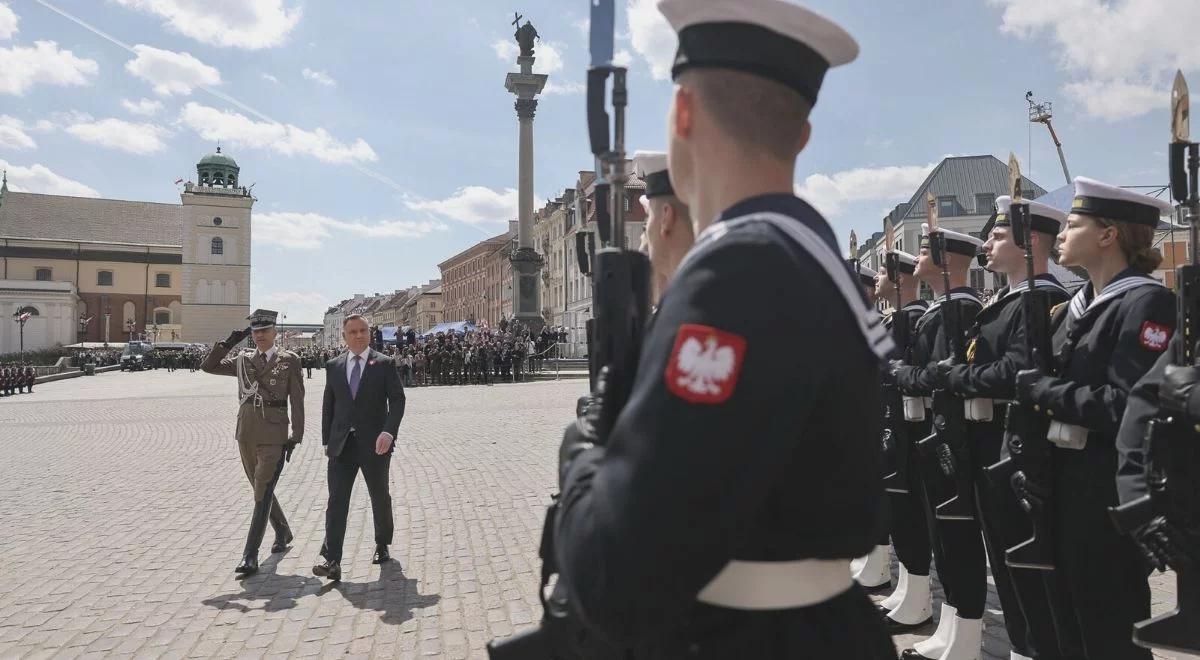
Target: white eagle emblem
(704,366)
(1154,336)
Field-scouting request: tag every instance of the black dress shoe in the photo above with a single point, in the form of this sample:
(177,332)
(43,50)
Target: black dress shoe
(381,555)
(248,567)
(896,628)
(911,654)
(281,544)
(329,569)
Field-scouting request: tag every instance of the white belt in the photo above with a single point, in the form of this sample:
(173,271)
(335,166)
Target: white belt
(1067,436)
(777,585)
(978,409)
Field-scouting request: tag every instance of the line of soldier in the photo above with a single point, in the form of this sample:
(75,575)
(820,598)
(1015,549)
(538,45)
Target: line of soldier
(942,503)
(16,379)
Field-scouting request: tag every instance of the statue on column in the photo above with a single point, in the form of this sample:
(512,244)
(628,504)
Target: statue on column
(525,36)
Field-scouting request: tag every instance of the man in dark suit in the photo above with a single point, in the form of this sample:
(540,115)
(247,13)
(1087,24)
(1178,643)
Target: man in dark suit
(364,403)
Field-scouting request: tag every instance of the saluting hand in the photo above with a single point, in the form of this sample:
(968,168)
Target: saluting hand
(383,443)
(236,337)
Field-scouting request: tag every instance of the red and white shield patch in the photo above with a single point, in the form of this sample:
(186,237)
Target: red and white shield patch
(1154,337)
(704,364)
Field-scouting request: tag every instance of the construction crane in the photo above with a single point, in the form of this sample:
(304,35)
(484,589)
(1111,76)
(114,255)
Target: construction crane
(1041,113)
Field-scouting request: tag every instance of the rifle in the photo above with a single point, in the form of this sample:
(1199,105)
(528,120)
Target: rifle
(621,305)
(895,434)
(1174,464)
(947,446)
(1027,468)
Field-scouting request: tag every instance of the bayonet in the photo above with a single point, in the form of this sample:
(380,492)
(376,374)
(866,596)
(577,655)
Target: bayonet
(1180,110)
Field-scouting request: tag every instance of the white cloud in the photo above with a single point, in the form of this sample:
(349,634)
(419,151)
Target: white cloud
(13,135)
(22,68)
(1155,38)
(830,193)
(474,205)
(623,58)
(122,135)
(652,37)
(270,78)
(8,21)
(547,54)
(570,87)
(584,25)
(143,107)
(213,124)
(299,306)
(39,179)
(319,77)
(249,24)
(309,231)
(171,72)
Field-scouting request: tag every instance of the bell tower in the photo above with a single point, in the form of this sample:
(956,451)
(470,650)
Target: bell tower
(216,250)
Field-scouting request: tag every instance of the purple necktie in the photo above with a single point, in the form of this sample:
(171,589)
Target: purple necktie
(355,376)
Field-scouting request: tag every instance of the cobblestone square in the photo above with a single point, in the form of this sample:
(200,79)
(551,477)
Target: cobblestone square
(124,510)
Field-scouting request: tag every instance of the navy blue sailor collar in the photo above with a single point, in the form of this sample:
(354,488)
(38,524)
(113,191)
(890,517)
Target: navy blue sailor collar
(784,204)
(1086,300)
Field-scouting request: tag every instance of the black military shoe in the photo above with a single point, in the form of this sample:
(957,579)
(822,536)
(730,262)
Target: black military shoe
(911,654)
(381,555)
(281,544)
(329,569)
(896,628)
(248,567)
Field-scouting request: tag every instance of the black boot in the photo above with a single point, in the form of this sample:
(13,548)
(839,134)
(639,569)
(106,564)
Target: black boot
(258,527)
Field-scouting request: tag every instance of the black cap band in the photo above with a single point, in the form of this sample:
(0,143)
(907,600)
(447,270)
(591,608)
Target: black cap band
(1117,209)
(751,49)
(658,184)
(1044,224)
(961,247)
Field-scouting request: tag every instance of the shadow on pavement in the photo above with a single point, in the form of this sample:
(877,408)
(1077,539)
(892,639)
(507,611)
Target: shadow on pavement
(393,595)
(279,591)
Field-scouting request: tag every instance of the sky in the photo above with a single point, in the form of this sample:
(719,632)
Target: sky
(381,141)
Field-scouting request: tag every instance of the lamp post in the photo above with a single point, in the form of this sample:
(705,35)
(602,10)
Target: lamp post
(129,327)
(107,316)
(83,324)
(20,320)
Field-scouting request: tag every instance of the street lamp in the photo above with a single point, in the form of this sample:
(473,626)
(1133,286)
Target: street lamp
(83,324)
(130,324)
(20,319)
(107,316)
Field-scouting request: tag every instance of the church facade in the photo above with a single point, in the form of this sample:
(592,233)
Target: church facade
(84,269)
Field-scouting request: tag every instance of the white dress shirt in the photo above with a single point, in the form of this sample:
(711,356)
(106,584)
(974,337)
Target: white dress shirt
(362,370)
(270,353)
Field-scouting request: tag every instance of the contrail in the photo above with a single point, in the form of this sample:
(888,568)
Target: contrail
(362,169)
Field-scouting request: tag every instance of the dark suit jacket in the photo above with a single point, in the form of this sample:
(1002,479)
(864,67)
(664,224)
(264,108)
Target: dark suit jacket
(378,407)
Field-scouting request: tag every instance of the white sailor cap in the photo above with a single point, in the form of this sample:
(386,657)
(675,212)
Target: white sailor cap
(774,39)
(906,262)
(651,167)
(866,275)
(956,242)
(1042,217)
(1100,199)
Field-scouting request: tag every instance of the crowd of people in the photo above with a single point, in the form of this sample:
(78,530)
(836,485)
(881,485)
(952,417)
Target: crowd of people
(16,379)
(474,357)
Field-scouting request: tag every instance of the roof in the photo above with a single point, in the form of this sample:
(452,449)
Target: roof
(218,159)
(963,177)
(60,217)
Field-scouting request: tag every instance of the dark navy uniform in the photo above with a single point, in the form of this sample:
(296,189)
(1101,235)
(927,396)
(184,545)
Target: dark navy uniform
(997,351)
(958,547)
(1104,345)
(766,450)
(910,527)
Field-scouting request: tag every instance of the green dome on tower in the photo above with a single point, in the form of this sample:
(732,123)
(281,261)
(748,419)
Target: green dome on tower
(218,170)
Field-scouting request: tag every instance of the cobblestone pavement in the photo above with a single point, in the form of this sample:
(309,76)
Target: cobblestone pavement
(124,508)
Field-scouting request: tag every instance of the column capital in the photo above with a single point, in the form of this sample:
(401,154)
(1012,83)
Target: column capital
(525,108)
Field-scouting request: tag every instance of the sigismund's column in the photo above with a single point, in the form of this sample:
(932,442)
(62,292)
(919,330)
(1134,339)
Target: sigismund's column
(526,262)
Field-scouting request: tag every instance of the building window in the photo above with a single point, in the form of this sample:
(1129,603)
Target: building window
(218,246)
(104,278)
(977,279)
(985,203)
(42,275)
(946,207)
(162,317)
(217,222)
(162,280)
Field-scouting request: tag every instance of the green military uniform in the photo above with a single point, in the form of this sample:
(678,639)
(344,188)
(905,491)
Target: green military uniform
(267,382)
